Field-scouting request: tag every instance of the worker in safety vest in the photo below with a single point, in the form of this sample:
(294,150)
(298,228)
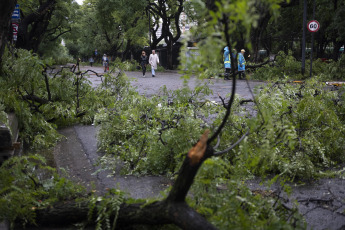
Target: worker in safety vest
(241,65)
(227,63)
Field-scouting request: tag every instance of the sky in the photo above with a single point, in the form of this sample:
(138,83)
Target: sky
(80,2)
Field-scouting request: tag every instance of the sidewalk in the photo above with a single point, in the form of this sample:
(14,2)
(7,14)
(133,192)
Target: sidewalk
(78,155)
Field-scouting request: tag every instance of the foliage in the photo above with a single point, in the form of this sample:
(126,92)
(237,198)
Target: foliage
(282,32)
(25,92)
(27,184)
(58,54)
(107,208)
(147,136)
(335,70)
(3,115)
(44,22)
(213,36)
(299,130)
(287,67)
(291,135)
(110,27)
(229,204)
(22,76)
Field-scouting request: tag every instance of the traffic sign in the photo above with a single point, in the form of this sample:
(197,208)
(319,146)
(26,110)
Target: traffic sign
(16,12)
(15,28)
(313,26)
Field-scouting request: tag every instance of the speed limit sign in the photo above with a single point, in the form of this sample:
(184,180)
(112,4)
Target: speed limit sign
(313,26)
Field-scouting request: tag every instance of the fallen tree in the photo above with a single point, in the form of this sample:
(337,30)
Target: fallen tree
(172,210)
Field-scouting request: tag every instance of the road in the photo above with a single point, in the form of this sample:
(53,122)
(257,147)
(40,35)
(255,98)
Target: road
(172,80)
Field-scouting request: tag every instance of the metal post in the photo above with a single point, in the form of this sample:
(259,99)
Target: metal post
(149,27)
(312,43)
(303,39)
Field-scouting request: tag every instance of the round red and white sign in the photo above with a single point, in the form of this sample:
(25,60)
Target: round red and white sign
(15,28)
(313,26)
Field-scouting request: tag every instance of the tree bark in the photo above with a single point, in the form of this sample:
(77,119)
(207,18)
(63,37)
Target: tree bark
(34,26)
(160,11)
(172,210)
(6,9)
(157,213)
(256,33)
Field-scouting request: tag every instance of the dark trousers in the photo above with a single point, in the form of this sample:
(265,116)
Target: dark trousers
(227,73)
(143,67)
(241,75)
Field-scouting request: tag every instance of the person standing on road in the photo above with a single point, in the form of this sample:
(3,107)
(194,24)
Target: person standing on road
(105,62)
(241,65)
(234,53)
(154,61)
(91,60)
(143,62)
(227,64)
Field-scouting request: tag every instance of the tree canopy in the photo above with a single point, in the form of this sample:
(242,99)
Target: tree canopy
(120,28)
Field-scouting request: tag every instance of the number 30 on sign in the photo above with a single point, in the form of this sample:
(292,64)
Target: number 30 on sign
(313,26)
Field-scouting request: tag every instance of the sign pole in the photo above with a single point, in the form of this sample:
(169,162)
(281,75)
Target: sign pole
(303,39)
(312,44)
(313,26)
(15,18)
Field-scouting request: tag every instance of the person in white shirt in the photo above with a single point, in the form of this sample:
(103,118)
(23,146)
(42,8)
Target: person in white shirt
(105,61)
(154,61)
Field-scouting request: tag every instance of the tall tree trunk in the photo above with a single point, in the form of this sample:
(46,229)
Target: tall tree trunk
(6,9)
(169,43)
(127,50)
(257,33)
(162,11)
(337,46)
(33,26)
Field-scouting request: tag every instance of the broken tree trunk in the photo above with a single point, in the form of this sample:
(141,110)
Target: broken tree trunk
(172,210)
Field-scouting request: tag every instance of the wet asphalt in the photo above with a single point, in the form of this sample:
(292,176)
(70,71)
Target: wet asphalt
(321,202)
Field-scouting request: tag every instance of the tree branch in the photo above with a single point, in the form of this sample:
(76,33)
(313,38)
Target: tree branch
(232,146)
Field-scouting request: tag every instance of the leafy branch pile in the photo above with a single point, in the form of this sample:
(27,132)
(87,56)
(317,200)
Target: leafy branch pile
(286,66)
(298,132)
(145,133)
(228,203)
(27,184)
(44,100)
